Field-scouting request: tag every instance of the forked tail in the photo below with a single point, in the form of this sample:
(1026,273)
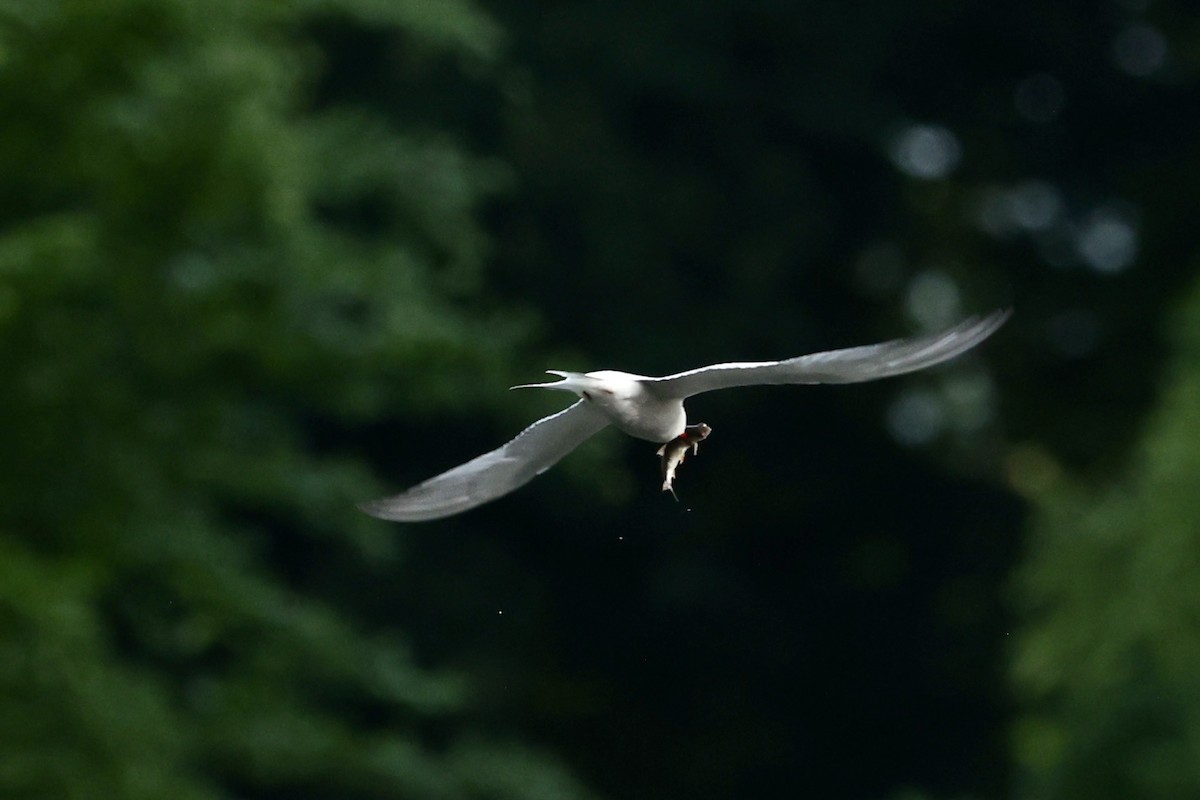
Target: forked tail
(571,382)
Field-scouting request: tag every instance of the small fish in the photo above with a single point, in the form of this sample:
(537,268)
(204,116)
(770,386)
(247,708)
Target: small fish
(674,451)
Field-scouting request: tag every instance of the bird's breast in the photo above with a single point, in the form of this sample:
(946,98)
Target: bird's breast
(643,416)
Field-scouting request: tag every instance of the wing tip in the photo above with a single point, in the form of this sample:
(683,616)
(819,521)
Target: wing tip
(382,509)
(372,508)
(997,317)
(983,326)
(390,510)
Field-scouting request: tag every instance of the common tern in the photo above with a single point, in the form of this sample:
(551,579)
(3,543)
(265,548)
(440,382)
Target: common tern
(652,408)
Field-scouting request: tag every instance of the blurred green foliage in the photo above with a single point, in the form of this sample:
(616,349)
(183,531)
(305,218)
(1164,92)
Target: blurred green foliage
(187,294)
(1107,663)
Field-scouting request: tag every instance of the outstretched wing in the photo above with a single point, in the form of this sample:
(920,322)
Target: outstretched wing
(851,365)
(494,474)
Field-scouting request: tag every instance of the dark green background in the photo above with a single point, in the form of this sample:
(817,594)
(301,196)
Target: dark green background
(260,261)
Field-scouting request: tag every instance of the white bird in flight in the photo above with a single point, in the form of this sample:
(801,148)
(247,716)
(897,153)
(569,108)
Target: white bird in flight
(652,408)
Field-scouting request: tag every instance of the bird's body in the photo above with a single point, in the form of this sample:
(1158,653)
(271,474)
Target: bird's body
(651,408)
(627,400)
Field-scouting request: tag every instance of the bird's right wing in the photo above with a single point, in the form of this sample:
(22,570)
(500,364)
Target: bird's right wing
(494,474)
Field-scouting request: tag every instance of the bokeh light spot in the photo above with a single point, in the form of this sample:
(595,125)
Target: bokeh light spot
(928,152)
(933,300)
(1139,50)
(970,398)
(1107,241)
(916,417)
(1034,205)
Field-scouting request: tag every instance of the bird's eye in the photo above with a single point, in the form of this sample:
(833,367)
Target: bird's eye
(586,394)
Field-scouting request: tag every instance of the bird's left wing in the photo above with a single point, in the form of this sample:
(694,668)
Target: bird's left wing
(494,474)
(851,365)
